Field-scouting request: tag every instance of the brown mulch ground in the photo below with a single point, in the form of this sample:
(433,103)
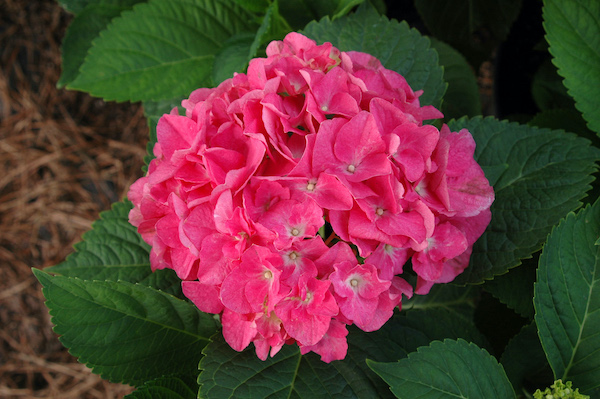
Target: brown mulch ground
(64,157)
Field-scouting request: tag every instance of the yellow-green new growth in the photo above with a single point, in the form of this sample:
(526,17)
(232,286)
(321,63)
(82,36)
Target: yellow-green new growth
(560,390)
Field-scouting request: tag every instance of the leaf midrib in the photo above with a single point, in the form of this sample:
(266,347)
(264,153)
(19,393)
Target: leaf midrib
(77,281)
(148,68)
(582,325)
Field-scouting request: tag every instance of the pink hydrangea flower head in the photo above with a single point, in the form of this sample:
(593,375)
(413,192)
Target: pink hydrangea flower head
(289,198)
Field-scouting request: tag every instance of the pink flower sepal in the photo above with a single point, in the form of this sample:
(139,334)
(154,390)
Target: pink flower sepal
(306,313)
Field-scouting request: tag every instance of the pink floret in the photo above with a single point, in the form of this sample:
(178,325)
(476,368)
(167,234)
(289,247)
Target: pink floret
(288,199)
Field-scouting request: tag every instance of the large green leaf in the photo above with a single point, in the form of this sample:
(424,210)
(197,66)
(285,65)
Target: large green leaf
(273,27)
(449,369)
(524,359)
(566,119)
(174,387)
(567,299)
(160,50)
(573,32)
(233,57)
(300,12)
(230,374)
(538,175)
(76,6)
(460,301)
(396,45)
(404,334)
(83,30)
(438,324)
(126,332)
(548,90)
(256,6)
(474,27)
(113,250)
(462,96)
(515,288)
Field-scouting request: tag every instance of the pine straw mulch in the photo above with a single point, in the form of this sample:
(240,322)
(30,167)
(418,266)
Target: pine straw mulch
(64,157)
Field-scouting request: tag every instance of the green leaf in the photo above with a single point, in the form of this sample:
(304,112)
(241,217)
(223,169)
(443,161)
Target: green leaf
(462,95)
(126,332)
(405,333)
(497,322)
(573,32)
(298,13)
(230,374)
(344,7)
(159,108)
(438,324)
(233,57)
(273,27)
(174,387)
(515,288)
(256,6)
(271,14)
(567,299)
(569,120)
(458,300)
(548,90)
(524,359)
(473,27)
(379,5)
(448,369)
(160,50)
(240,49)
(76,6)
(538,175)
(113,250)
(396,45)
(83,30)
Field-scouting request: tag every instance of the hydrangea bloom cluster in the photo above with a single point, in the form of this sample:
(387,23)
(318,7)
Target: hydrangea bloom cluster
(310,143)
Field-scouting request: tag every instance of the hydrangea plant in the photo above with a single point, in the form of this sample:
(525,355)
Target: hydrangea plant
(312,221)
(310,140)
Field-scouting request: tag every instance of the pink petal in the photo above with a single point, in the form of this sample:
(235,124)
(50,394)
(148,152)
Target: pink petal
(175,132)
(204,296)
(238,329)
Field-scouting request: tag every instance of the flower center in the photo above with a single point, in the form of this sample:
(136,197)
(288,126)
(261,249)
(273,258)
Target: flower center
(421,188)
(354,282)
(351,168)
(268,275)
(324,108)
(309,296)
(310,186)
(295,232)
(379,211)
(293,255)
